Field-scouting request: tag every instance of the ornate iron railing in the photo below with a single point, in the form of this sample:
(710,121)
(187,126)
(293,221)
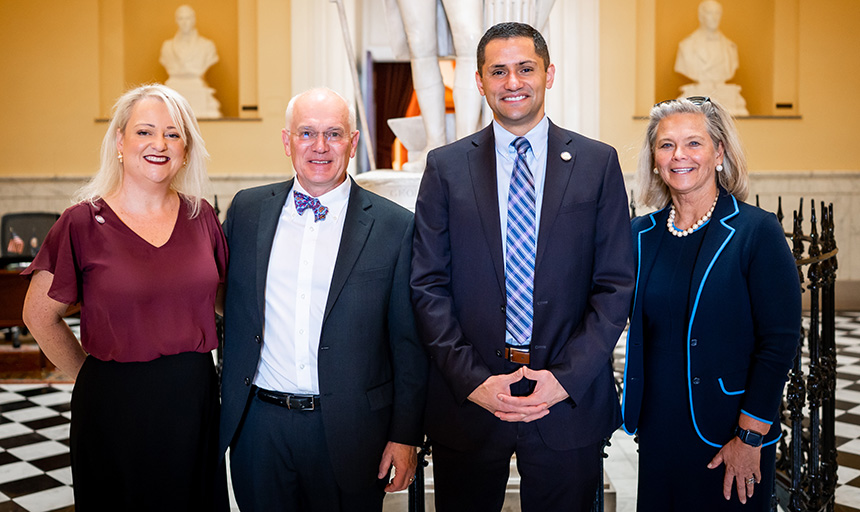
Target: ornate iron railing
(806,454)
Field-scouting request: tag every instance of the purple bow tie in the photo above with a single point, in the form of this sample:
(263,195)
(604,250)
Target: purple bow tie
(304,202)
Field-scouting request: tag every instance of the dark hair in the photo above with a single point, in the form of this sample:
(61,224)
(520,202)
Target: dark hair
(510,30)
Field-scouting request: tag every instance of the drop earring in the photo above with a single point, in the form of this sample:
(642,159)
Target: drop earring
(119,157)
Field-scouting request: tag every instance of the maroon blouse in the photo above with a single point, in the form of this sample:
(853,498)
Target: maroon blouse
(138,301)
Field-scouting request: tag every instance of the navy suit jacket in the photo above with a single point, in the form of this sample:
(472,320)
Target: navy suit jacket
(744,323)
(582,287)
(372,368)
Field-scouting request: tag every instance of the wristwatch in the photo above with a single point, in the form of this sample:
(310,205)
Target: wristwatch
(749,437)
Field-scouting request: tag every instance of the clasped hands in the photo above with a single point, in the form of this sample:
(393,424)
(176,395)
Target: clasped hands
(494,395)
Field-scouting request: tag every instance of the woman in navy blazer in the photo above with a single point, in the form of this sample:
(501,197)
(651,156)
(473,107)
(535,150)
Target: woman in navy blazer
(715,322)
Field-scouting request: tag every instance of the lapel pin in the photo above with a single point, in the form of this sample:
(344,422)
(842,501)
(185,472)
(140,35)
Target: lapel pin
(565,156)
(100,219)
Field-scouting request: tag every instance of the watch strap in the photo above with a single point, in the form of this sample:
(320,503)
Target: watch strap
(749,437)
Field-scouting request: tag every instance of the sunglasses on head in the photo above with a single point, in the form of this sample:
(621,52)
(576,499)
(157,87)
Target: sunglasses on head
(695,100)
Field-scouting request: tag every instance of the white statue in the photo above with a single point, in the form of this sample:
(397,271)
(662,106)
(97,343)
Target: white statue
(467,19)
(417,19)
(710,59)
(186,58)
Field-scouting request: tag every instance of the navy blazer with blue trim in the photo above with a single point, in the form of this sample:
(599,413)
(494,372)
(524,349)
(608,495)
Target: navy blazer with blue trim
(745,312)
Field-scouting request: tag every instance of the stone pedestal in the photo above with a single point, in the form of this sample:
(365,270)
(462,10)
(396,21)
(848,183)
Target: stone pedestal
(399,186)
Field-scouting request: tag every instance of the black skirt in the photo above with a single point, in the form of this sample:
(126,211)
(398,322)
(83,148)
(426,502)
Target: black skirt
(144,436)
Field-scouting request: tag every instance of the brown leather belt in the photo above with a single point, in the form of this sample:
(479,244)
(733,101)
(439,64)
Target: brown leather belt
(517,355)
(290,401)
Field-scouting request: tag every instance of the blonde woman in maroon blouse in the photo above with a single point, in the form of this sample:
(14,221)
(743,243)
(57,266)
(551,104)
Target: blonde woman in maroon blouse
(144,255)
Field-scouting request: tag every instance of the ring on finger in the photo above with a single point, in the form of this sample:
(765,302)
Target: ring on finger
(751,480)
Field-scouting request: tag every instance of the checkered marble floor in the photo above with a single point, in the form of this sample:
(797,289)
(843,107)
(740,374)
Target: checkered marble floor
(34,435)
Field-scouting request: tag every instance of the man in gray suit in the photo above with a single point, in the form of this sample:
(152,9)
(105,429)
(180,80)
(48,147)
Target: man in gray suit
(324,379)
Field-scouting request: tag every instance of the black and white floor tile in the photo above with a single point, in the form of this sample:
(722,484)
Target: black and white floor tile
(34,432)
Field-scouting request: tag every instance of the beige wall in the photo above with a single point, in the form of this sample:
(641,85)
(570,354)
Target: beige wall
(50,89)
(828,73)
(57,66)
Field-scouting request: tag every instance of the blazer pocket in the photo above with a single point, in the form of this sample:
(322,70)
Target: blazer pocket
(381,396)
(575,207)
(733,383)
(371,274)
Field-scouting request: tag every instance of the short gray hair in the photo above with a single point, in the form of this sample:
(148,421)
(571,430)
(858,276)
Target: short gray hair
(722,130)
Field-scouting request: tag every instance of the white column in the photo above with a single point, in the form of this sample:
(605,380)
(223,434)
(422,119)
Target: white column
(574,47)
(319,58)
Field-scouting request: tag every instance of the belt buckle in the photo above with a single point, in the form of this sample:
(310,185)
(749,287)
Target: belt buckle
(517,355)
(302,403)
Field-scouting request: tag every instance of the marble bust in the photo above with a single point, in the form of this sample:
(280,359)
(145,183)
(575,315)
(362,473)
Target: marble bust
(710,59)
(186,57)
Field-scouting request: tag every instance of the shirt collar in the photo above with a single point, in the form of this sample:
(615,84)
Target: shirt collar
(537,138)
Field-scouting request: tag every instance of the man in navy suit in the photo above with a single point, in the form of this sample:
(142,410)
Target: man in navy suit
(522,276)
(324,378)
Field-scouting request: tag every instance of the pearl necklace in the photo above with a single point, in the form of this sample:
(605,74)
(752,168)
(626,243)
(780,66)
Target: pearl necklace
(670,223)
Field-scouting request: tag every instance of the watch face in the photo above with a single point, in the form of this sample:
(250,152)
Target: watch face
(751,438)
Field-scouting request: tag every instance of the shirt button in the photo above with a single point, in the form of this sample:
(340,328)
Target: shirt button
(311,228)
(694,342)
(301,331)
(301,366)
(303,295)
(696,380)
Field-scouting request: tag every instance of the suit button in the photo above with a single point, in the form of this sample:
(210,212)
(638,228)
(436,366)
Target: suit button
(502,307)
(499,353)
(247,381)
(696,380)
(694,342)
(258,340)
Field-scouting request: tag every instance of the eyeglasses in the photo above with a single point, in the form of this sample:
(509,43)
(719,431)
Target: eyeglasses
(333,136)
(695,100)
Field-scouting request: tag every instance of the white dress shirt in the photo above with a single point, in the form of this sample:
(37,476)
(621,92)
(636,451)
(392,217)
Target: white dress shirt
(506,153)
(297,282)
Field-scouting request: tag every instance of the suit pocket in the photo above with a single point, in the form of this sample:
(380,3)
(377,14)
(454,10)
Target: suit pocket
(372,274)
(576,207)
(733,383)
(381,396)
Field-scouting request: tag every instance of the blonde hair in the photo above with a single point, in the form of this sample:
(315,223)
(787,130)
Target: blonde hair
(734,177)
(191,182)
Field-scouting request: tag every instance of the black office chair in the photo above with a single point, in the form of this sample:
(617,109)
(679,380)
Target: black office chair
(23,233)
(21,237)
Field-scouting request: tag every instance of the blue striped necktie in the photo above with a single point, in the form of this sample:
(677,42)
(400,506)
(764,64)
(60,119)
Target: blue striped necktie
(521,245)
